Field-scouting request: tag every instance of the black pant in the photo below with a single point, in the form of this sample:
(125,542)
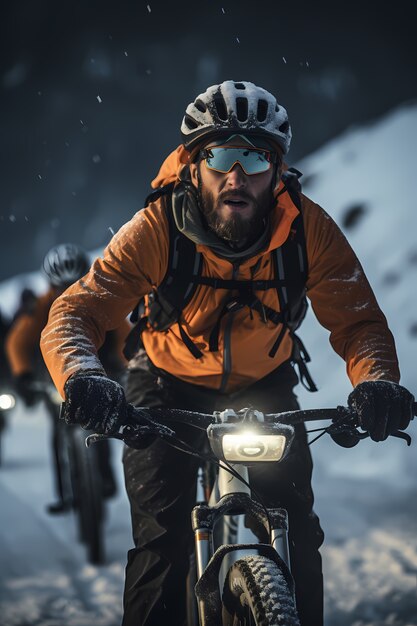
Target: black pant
(161,482)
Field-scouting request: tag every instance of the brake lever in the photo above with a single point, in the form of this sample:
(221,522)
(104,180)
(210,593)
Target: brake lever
(398,433)
(127,430)
(402,435)
(90,439)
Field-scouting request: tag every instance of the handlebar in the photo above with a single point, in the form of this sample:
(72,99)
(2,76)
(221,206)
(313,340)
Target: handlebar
(145,421)
(137,415)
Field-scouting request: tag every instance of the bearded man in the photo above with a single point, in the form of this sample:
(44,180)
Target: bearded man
(223,193)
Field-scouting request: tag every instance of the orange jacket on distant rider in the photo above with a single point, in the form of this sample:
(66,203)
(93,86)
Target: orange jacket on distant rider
(135,262)
(22,342)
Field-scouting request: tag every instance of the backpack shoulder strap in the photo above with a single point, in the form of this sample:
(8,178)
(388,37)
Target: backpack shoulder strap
(291,258)
(157,193)
(291,265)
(178,286)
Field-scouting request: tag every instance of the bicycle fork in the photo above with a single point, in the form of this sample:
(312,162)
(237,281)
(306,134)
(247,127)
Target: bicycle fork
(234,498)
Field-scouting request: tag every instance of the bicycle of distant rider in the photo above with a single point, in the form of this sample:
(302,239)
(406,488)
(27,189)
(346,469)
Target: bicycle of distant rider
(81,478)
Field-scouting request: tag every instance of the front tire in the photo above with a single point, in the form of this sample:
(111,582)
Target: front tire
(256,593)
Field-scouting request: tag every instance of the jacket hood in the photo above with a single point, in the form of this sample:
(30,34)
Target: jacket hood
(168,172)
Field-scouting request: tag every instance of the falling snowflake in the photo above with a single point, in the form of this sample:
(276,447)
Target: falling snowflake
(223,11)
(111,230)
(284,59)
(148,7)
(99,99)
(96,158)
(126,54)
(237,39)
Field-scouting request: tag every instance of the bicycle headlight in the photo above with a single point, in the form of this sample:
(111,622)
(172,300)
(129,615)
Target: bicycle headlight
(249,446)
(237,443)
(7,401)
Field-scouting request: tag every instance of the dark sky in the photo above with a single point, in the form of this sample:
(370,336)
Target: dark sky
(73,166)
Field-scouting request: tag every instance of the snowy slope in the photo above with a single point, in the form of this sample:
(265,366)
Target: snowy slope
(366,497)
(374,168)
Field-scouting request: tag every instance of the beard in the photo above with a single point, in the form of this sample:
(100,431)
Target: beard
(236,229)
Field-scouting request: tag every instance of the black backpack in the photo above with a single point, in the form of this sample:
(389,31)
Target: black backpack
(183,275)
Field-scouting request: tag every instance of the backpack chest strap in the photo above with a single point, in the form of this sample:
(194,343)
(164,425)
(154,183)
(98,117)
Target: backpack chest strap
(239,285)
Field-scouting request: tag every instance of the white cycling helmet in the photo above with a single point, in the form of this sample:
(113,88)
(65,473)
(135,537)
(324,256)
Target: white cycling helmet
(64,264)
(238,107)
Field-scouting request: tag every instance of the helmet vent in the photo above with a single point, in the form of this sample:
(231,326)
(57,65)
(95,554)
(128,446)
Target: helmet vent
(262,110)
(221,108)
(284,127)
(190,123)
(242,109)
(199,104)
(240,86)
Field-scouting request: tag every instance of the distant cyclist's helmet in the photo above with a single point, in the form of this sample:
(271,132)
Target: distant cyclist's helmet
(65,263)
(238,106)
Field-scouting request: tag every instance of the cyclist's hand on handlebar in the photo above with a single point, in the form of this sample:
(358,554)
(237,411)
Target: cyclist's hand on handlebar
(24,387)
(382,407)
(95,402)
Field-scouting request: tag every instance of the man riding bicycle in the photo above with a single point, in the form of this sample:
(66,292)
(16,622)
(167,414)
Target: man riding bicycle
(62,265)
(229,339)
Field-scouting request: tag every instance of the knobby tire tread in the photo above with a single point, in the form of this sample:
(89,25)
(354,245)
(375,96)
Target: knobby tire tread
(265,590)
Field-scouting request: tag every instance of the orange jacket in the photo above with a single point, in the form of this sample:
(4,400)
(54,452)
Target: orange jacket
(22,341)
(135,262)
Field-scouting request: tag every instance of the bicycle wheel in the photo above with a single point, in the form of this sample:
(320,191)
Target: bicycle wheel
(256,593)
(88,497)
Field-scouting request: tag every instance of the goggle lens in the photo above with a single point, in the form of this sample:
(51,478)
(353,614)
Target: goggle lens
(223,159)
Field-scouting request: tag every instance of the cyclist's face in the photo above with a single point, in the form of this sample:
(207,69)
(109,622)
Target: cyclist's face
(233,203)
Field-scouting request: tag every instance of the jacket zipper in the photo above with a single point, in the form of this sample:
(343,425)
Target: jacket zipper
(227,348)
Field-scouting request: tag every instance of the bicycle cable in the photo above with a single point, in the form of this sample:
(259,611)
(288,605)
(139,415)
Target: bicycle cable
(326,429)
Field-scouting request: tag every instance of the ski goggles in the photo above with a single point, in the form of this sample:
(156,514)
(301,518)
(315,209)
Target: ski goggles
(223,158)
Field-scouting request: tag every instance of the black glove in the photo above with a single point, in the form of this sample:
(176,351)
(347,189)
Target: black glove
(24,387)
(95,402)
(382,407)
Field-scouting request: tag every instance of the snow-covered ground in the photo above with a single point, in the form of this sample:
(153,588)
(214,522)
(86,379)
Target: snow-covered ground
(366,497)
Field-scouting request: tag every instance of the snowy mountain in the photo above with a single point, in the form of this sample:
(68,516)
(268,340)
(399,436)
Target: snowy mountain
(365,497)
